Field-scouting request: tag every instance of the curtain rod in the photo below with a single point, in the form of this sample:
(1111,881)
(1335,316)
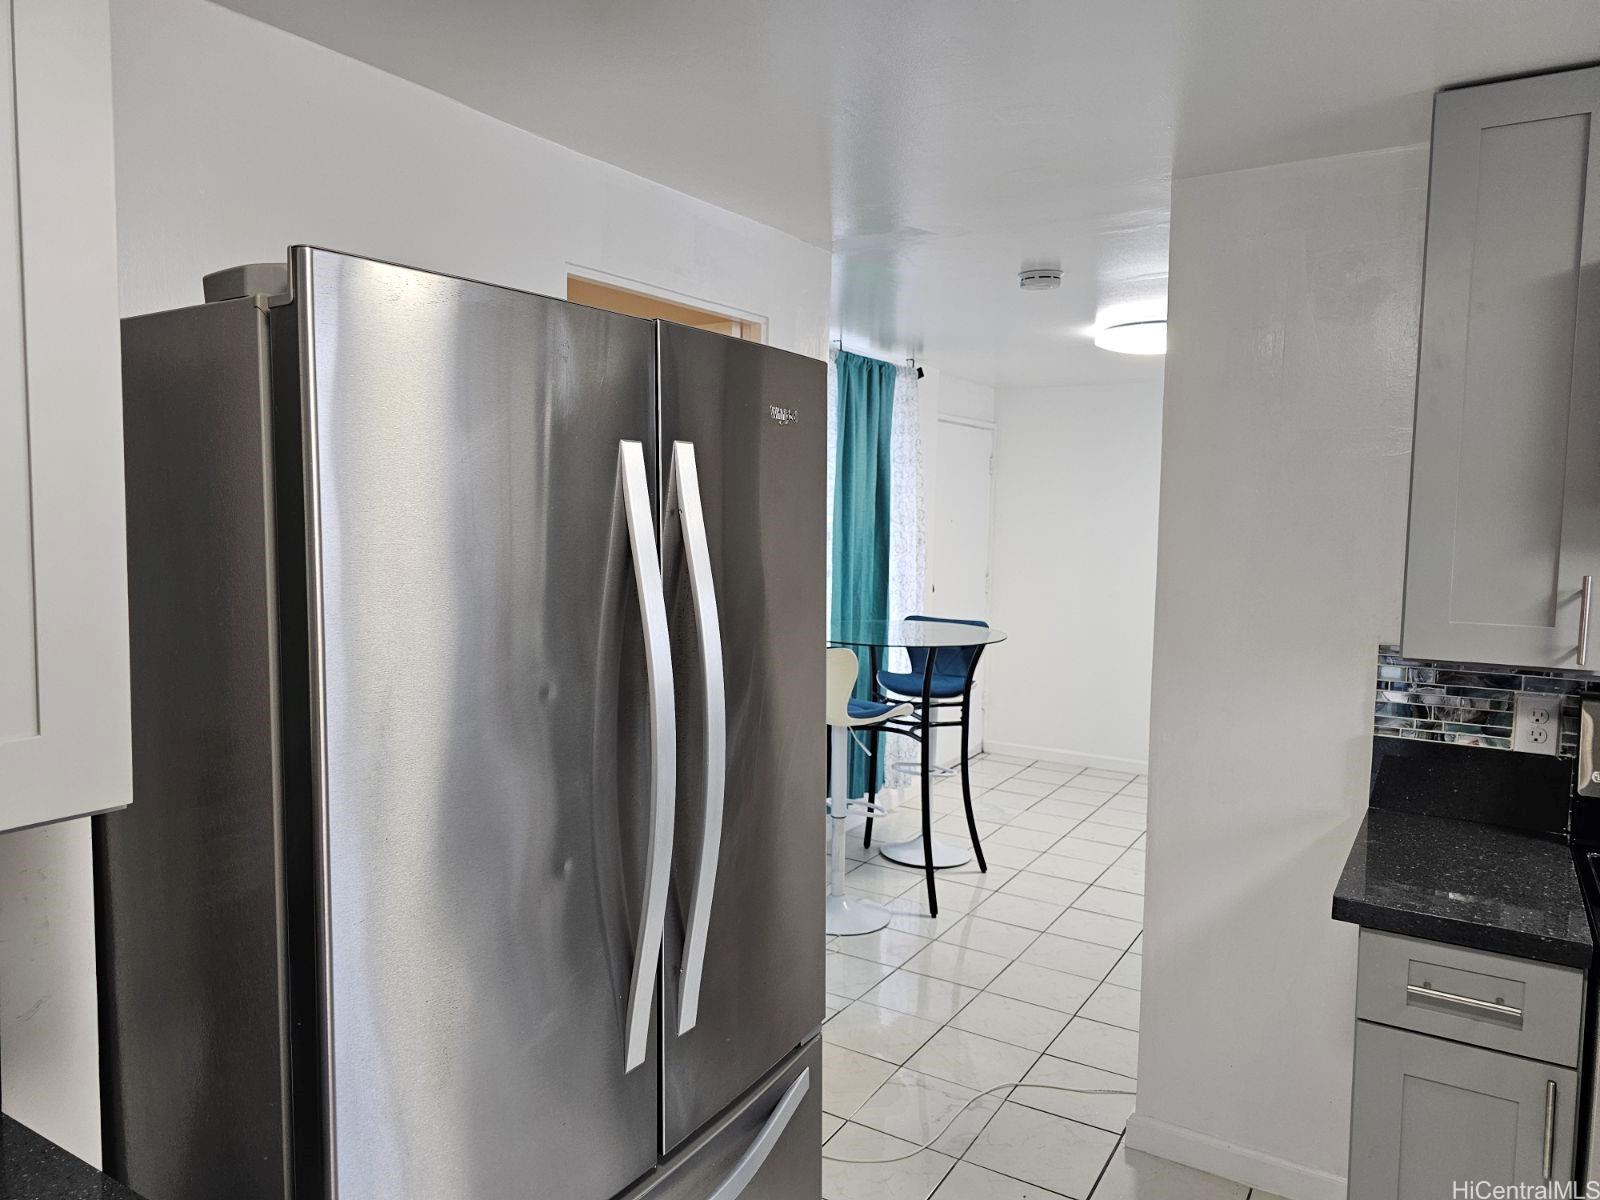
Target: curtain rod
(911,363)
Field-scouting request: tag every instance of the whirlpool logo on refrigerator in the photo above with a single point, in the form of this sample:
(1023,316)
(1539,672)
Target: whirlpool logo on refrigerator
(783,416)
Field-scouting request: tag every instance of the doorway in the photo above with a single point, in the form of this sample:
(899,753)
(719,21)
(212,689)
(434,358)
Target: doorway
(641,304)
(958,550)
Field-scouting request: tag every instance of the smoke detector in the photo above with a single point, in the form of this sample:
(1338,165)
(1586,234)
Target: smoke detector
(1039,279)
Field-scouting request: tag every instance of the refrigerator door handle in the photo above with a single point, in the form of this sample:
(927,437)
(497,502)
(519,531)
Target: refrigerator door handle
(634,485)
(686,512)
(756,1156)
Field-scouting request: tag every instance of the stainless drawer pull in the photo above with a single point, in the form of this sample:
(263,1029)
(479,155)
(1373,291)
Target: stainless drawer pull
(1472,1003)
(1549,1160)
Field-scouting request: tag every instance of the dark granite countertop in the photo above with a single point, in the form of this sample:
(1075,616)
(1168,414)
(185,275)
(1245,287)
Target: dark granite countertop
(33,1168)
(1465,883)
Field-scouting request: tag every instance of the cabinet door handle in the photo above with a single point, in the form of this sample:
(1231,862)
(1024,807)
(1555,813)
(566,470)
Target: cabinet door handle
(1422,992)
(1549,1161)
(1585,606)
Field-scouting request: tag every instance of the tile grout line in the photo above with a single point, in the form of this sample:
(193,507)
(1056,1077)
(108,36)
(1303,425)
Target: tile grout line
(1018,803)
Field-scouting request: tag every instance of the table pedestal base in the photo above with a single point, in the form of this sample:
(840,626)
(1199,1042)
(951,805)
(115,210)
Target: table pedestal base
(848,916)
(909,853)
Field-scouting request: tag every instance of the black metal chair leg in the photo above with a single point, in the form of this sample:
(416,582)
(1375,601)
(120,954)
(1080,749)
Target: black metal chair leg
(966,781)
(827,758)
(872,784)
(872,752)
(927,789)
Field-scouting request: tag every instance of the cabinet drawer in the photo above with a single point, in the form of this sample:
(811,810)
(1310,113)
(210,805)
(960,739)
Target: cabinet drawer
(1511,1004)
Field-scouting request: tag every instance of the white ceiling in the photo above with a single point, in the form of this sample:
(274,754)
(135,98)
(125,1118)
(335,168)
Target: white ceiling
(938,146)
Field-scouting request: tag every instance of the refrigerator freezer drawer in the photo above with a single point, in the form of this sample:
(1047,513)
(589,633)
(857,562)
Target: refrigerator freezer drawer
(769,1147)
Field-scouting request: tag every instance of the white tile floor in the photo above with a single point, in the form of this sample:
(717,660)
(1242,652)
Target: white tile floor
(1030,972)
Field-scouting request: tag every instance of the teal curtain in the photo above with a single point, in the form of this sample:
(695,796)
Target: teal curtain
(861,511)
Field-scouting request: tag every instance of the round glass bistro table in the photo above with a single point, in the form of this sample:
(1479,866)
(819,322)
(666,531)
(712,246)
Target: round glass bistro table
(935,640)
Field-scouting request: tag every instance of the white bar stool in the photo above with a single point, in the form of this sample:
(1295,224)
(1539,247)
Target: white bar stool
(847,915)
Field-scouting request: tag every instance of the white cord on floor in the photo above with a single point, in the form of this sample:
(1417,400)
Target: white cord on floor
(928,1145)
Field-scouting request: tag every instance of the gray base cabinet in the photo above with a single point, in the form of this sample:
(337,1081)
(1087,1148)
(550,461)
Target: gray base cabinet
(1465,1069)
(1428,1113)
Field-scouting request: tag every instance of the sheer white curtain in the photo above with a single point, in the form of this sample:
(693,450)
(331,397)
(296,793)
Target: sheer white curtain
(907,535)
(907,543)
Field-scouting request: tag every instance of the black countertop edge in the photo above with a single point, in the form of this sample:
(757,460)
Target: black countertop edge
(35,1168)
(1466,884)
(1464,933)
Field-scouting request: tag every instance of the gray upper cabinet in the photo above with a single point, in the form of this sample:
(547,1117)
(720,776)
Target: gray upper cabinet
(1505,487)
(64,732)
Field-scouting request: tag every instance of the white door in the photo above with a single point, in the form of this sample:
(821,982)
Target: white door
(958,544)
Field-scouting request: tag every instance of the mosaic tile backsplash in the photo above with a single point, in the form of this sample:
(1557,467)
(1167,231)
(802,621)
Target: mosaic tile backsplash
(1470,705)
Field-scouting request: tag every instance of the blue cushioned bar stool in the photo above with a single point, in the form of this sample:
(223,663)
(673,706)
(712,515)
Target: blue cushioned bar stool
(948,686)
(847,915)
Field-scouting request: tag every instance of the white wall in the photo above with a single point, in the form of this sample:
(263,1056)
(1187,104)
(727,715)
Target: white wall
(1077,472)
(954,396)
(1295,295)
(235,140)
(49,1038)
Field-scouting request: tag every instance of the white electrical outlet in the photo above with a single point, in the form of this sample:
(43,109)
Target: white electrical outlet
(1536,724)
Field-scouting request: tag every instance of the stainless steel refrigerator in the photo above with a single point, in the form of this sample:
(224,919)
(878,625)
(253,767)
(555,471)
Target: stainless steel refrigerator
(476,843)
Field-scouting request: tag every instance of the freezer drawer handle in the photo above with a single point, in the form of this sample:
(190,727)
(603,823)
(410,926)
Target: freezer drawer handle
(684,504)
(634,486)
(756,1156)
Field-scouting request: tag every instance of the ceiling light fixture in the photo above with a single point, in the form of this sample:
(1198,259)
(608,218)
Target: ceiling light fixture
(1134,337)
(1039,279)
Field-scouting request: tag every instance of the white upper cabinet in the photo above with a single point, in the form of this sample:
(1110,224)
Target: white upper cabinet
(1505,485)
(64,729)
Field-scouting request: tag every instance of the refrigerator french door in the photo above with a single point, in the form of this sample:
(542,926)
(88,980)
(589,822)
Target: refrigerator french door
(424,891)
(479,487)
(755,420)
